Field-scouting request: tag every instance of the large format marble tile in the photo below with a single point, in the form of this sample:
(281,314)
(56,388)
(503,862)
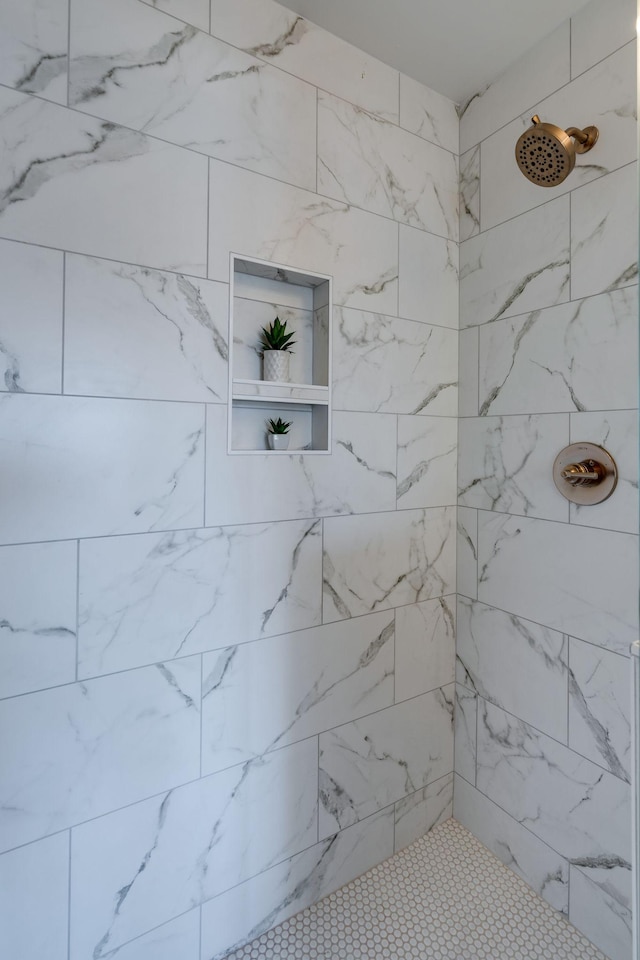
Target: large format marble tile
(86,185)
(377,561)
(470,193)
(359,477)
(600,707)
(177,938)
(599,29)
(617,431)
(427,460)
(260,218)
(518,665)
(428,114)
(574,357)
(423,810)
(37,616)
(298,685)
(86,467)
(425,647)
(192,11)
(504,464)
(608,93)
(114,740)
(516,267)
(467,552)
(174,594)
(600,916)
(34,900)
(160,857)
(114,311)
(568,802)
(545,572)
(236,917)
(468,349)
(33,47)
(520,86)
(133,65)
(604,234)
(393,366)
(465,733)
(542,868)
(370,763)
(30,318)
(376,165)
(428,278)
(276,34)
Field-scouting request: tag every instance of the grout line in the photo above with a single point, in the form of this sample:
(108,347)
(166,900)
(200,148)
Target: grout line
(201,709)
(69,902)
(204,445)
(341,203)
(64,321)
(208,241)
(567,640)
(539,104)
(77,613)
(68,54)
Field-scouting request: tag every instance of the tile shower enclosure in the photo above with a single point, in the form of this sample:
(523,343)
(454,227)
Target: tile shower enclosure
(228,683)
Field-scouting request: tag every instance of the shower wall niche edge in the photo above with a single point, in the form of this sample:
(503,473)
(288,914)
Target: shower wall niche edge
(260,290)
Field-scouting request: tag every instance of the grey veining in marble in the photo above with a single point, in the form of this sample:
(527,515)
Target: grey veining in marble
(33,47)
(165,855)
(121,466)
(518,665)
(516,267)
(366,343)
(136,66)
(542,571)
(82,184)
(503,464)
(396,752)
(573,357)
(30,318)
(147,722)
(386,560)
(270,898)
(378,166)
(542,868)
(421,811)
(470,193)
(298,685)
(113,311)
(143,595)
(568,802)
(599,707)
(465,732)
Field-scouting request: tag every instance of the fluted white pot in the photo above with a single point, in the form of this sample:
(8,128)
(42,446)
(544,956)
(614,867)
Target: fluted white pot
(278,441)
(276,365)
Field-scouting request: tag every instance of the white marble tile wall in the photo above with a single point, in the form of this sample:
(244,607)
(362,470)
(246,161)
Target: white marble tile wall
(183,633)
(548,356)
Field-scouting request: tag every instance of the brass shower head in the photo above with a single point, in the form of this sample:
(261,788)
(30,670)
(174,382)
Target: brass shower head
(546,154)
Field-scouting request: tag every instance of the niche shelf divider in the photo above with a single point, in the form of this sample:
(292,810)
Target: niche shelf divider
(260,290)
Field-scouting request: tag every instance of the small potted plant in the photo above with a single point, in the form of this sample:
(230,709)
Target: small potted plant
(276,343)
(278,434)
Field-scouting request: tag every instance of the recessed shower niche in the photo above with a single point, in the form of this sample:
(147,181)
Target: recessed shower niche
(260,291)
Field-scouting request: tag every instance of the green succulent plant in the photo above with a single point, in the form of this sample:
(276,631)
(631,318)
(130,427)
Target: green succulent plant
(275,336)
(279,426)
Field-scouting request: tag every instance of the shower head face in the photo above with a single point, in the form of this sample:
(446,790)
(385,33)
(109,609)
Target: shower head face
(545,154)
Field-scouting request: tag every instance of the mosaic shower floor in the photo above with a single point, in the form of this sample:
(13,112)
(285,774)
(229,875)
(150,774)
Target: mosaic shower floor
(446,897)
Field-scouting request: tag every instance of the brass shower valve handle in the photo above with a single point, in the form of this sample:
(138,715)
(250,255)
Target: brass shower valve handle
(585,473)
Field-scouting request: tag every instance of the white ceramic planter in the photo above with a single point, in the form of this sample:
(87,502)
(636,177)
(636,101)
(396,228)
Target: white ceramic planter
(278,441)
(276,365)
